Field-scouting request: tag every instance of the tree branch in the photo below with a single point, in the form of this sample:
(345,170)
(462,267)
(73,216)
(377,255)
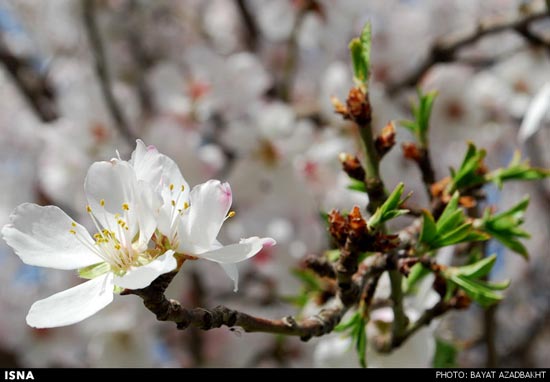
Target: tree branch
(102,71)
(206,319)
(446,51)
(252,30)
(33,85)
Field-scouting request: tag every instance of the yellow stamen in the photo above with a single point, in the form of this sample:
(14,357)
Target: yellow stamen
(125,207)
(173,203)
(72,231)
(73,224)
(231,214)
(102,202)
(171,187)
(89,209)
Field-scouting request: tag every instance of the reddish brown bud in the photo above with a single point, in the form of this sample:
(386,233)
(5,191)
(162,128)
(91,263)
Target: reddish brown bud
(440,285)
(338,227)
(461,300)
(386,140)
(482,168)
(356,221)
(411,151)
(467,201)
(358,106)
(439,187)
(339,107)
(352,166)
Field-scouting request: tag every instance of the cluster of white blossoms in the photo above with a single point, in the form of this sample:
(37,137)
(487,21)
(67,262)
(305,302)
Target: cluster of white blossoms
(147,221)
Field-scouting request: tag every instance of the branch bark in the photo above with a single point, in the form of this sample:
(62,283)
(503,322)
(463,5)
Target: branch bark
(171,310)
(102,71)
(446,50)
(33,85)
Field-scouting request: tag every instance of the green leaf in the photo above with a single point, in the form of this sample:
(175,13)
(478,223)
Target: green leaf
(417,273)
(505,226)
(517,170)
(360,70)
(421,113)
(361,343)
(429,228)
(357,185)
(478,269)
(360,55)
(389,209)
(445,354)
(352,322)
(93,271)
(477,291)
(450,228)
(467,175)
(514,244)
(451,207)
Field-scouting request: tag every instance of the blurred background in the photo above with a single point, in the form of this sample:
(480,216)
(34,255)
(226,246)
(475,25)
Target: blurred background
(239,90)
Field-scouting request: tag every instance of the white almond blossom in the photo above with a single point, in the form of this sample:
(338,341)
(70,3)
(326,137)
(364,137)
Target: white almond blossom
(123,211)
(190,221)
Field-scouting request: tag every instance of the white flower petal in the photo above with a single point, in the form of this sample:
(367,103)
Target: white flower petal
(145,161)
(72,305)
(41,236)
(235,253)
(141,277)
(210,203)
(538,108)
(114,184)
(231,270)
(157,169)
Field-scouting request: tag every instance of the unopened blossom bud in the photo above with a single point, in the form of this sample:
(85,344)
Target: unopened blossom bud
(359,107)
(352,166)
(338,227)
(386,140)
(411,151)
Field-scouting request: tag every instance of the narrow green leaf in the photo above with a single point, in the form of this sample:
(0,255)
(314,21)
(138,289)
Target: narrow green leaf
(502,285)
(477,269)
(365,45)
(357,185)
(445,354)
(514,244)
(417,273)
(359,69)
(451,207)
(450,221)
(385,211)
(361,343)
(429,228)
(477,291)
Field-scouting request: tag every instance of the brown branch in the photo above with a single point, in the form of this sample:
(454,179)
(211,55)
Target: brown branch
(252,31)
(320,265)
(142,58)
(102,71)
(33,85)
(425,319)
(447,50)
(206,319)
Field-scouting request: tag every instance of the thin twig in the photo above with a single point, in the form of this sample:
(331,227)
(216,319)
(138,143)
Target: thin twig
(252,31)
(102,71)
(33,85)
(446,50)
